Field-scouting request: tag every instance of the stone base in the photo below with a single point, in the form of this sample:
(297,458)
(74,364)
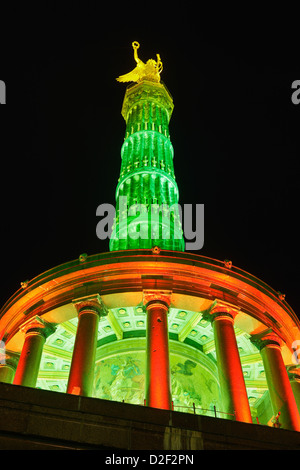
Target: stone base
(34,419)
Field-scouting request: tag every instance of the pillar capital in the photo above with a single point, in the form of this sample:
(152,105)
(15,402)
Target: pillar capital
(8,364)
(38,326)
(266,338)
(294,372)
(10,358)
(91,303)
(222,310)
(152,297)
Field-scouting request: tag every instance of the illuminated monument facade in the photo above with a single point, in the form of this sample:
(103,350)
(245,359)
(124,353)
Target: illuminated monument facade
(147,323)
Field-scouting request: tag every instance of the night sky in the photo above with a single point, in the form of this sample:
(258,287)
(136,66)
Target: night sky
(234,129)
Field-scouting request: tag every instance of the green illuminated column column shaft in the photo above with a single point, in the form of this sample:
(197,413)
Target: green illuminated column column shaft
(294,377)
(158,379)
(281,393)
(147,212)
(8,365)
(232,383)
(81,376)
(36,332)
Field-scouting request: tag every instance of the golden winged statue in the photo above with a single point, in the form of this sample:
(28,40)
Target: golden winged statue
(143,71)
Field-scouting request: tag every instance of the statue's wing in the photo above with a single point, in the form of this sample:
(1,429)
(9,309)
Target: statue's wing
(132,76)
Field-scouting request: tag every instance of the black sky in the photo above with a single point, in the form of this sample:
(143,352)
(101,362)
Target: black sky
(234,129)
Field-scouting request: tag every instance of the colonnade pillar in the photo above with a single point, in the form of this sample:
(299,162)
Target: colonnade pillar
(294,377)
(158,379)
(81,377)
(36,332)
(8,364)
(232,383)
(281,393)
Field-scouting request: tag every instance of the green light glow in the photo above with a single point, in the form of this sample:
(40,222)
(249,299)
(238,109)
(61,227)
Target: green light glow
(147,174)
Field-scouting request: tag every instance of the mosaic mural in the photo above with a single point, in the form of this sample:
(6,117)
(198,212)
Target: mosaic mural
(193,383)
(123,378)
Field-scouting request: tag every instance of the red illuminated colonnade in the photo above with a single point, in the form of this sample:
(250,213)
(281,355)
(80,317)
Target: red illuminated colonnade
(91,287)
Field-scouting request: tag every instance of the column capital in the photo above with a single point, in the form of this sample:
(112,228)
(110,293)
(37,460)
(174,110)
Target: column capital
(91,303)
(38,326)
(222,310)
(9,358)
(294,372)
(266,338)
(157,296)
